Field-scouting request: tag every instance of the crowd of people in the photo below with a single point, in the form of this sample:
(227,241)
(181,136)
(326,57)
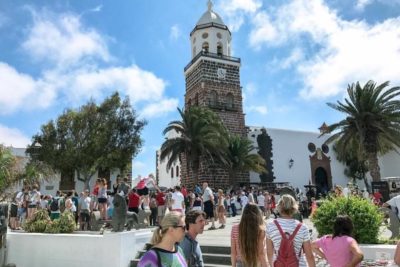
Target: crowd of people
(180,215)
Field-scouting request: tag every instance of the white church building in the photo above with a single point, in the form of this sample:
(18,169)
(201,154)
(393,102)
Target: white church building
(297,157)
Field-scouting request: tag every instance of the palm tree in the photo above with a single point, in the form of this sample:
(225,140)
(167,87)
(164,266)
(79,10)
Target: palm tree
(238,157)
(200,134)
(373,121)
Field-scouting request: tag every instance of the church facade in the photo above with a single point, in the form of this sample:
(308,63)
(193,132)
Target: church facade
(212,80)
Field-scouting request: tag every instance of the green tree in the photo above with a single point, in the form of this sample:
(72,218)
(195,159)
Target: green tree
(11,168)
(372,120)
(238,157)
(354,160)
(199,134)
(91,137)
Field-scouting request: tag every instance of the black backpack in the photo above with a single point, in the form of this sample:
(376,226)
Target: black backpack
(54,205)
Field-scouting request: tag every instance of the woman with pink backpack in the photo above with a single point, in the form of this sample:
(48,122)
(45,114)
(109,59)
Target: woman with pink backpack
(288,240)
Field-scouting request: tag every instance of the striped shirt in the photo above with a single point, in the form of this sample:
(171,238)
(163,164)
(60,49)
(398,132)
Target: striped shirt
(235,238)
(288,225)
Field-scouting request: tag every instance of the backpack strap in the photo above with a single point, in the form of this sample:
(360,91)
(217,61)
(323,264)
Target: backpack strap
(291,237)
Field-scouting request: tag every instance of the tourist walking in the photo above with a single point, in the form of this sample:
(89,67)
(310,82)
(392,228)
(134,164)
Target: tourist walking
(208,202)
(178,200)
(102,198)
(153,210)
(248,239)
(197,202)
(278,229)
(261,201)
(267,205)
(165,251)
(221,209)
(34,201)
(133,201)
(84,211)
(161,207)
(195,221)
(339,249)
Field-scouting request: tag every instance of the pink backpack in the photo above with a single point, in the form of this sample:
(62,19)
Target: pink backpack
(286,255)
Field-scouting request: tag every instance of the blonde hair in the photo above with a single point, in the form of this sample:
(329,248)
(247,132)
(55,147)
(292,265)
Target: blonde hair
(251,226)
(170,220)
(287,205)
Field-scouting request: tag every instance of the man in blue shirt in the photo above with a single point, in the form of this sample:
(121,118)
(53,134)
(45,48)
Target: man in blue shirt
(195,221)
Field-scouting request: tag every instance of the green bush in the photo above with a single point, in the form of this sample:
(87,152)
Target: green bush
(41,223)
(365,216)
(38,222)
(65,224)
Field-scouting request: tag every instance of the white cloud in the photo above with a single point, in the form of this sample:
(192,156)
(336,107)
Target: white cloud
(175,32)
(235,11)
(349,51)
(361,4)
(160,108)
(18,90)
(97,8)
(139,84)
(251,88)
(258,109)
(63,40)
(13,137)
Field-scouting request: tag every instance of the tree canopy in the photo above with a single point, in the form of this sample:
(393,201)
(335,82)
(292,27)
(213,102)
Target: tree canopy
(91,137)
(199,133)
(372,122)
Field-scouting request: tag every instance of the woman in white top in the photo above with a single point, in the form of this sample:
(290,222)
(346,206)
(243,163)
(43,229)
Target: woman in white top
(221,209)
(287,206)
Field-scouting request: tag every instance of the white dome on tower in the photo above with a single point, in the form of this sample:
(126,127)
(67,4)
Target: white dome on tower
(211,35)
(210,17)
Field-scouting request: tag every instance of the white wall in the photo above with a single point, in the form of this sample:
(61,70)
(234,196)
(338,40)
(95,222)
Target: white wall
(73,250)
(50,185)
(286,145)
(164,175)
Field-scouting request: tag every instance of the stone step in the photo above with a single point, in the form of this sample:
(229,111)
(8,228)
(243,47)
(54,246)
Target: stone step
(212,258)
(216,249)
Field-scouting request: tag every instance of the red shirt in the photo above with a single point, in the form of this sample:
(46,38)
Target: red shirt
(96,190)
(184,192)
(160,198)
(134,200)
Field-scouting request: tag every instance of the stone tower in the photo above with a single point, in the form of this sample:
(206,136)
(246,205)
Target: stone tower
(213,80)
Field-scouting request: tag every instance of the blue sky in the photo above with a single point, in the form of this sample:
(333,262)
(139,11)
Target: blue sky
(296,56)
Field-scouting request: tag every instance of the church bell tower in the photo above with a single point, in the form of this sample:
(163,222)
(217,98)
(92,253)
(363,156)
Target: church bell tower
(213,80)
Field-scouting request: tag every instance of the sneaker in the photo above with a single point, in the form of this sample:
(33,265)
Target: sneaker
(212,228)
(221,227)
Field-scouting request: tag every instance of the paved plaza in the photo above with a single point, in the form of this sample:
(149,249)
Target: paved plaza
(222,237)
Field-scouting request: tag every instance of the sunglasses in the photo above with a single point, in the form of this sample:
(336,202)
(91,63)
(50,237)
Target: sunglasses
(180,226)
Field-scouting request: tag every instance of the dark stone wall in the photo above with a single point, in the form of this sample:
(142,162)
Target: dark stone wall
(201,82)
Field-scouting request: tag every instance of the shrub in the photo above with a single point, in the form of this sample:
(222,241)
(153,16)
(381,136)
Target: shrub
(38,222)
(41,223)
(365,216)
(65,224)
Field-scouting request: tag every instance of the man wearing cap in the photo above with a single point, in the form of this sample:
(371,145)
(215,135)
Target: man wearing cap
(195,221)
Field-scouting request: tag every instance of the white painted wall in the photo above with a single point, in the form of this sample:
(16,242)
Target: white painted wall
(50,185)
(286,145)
(164,175)
(73,250)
